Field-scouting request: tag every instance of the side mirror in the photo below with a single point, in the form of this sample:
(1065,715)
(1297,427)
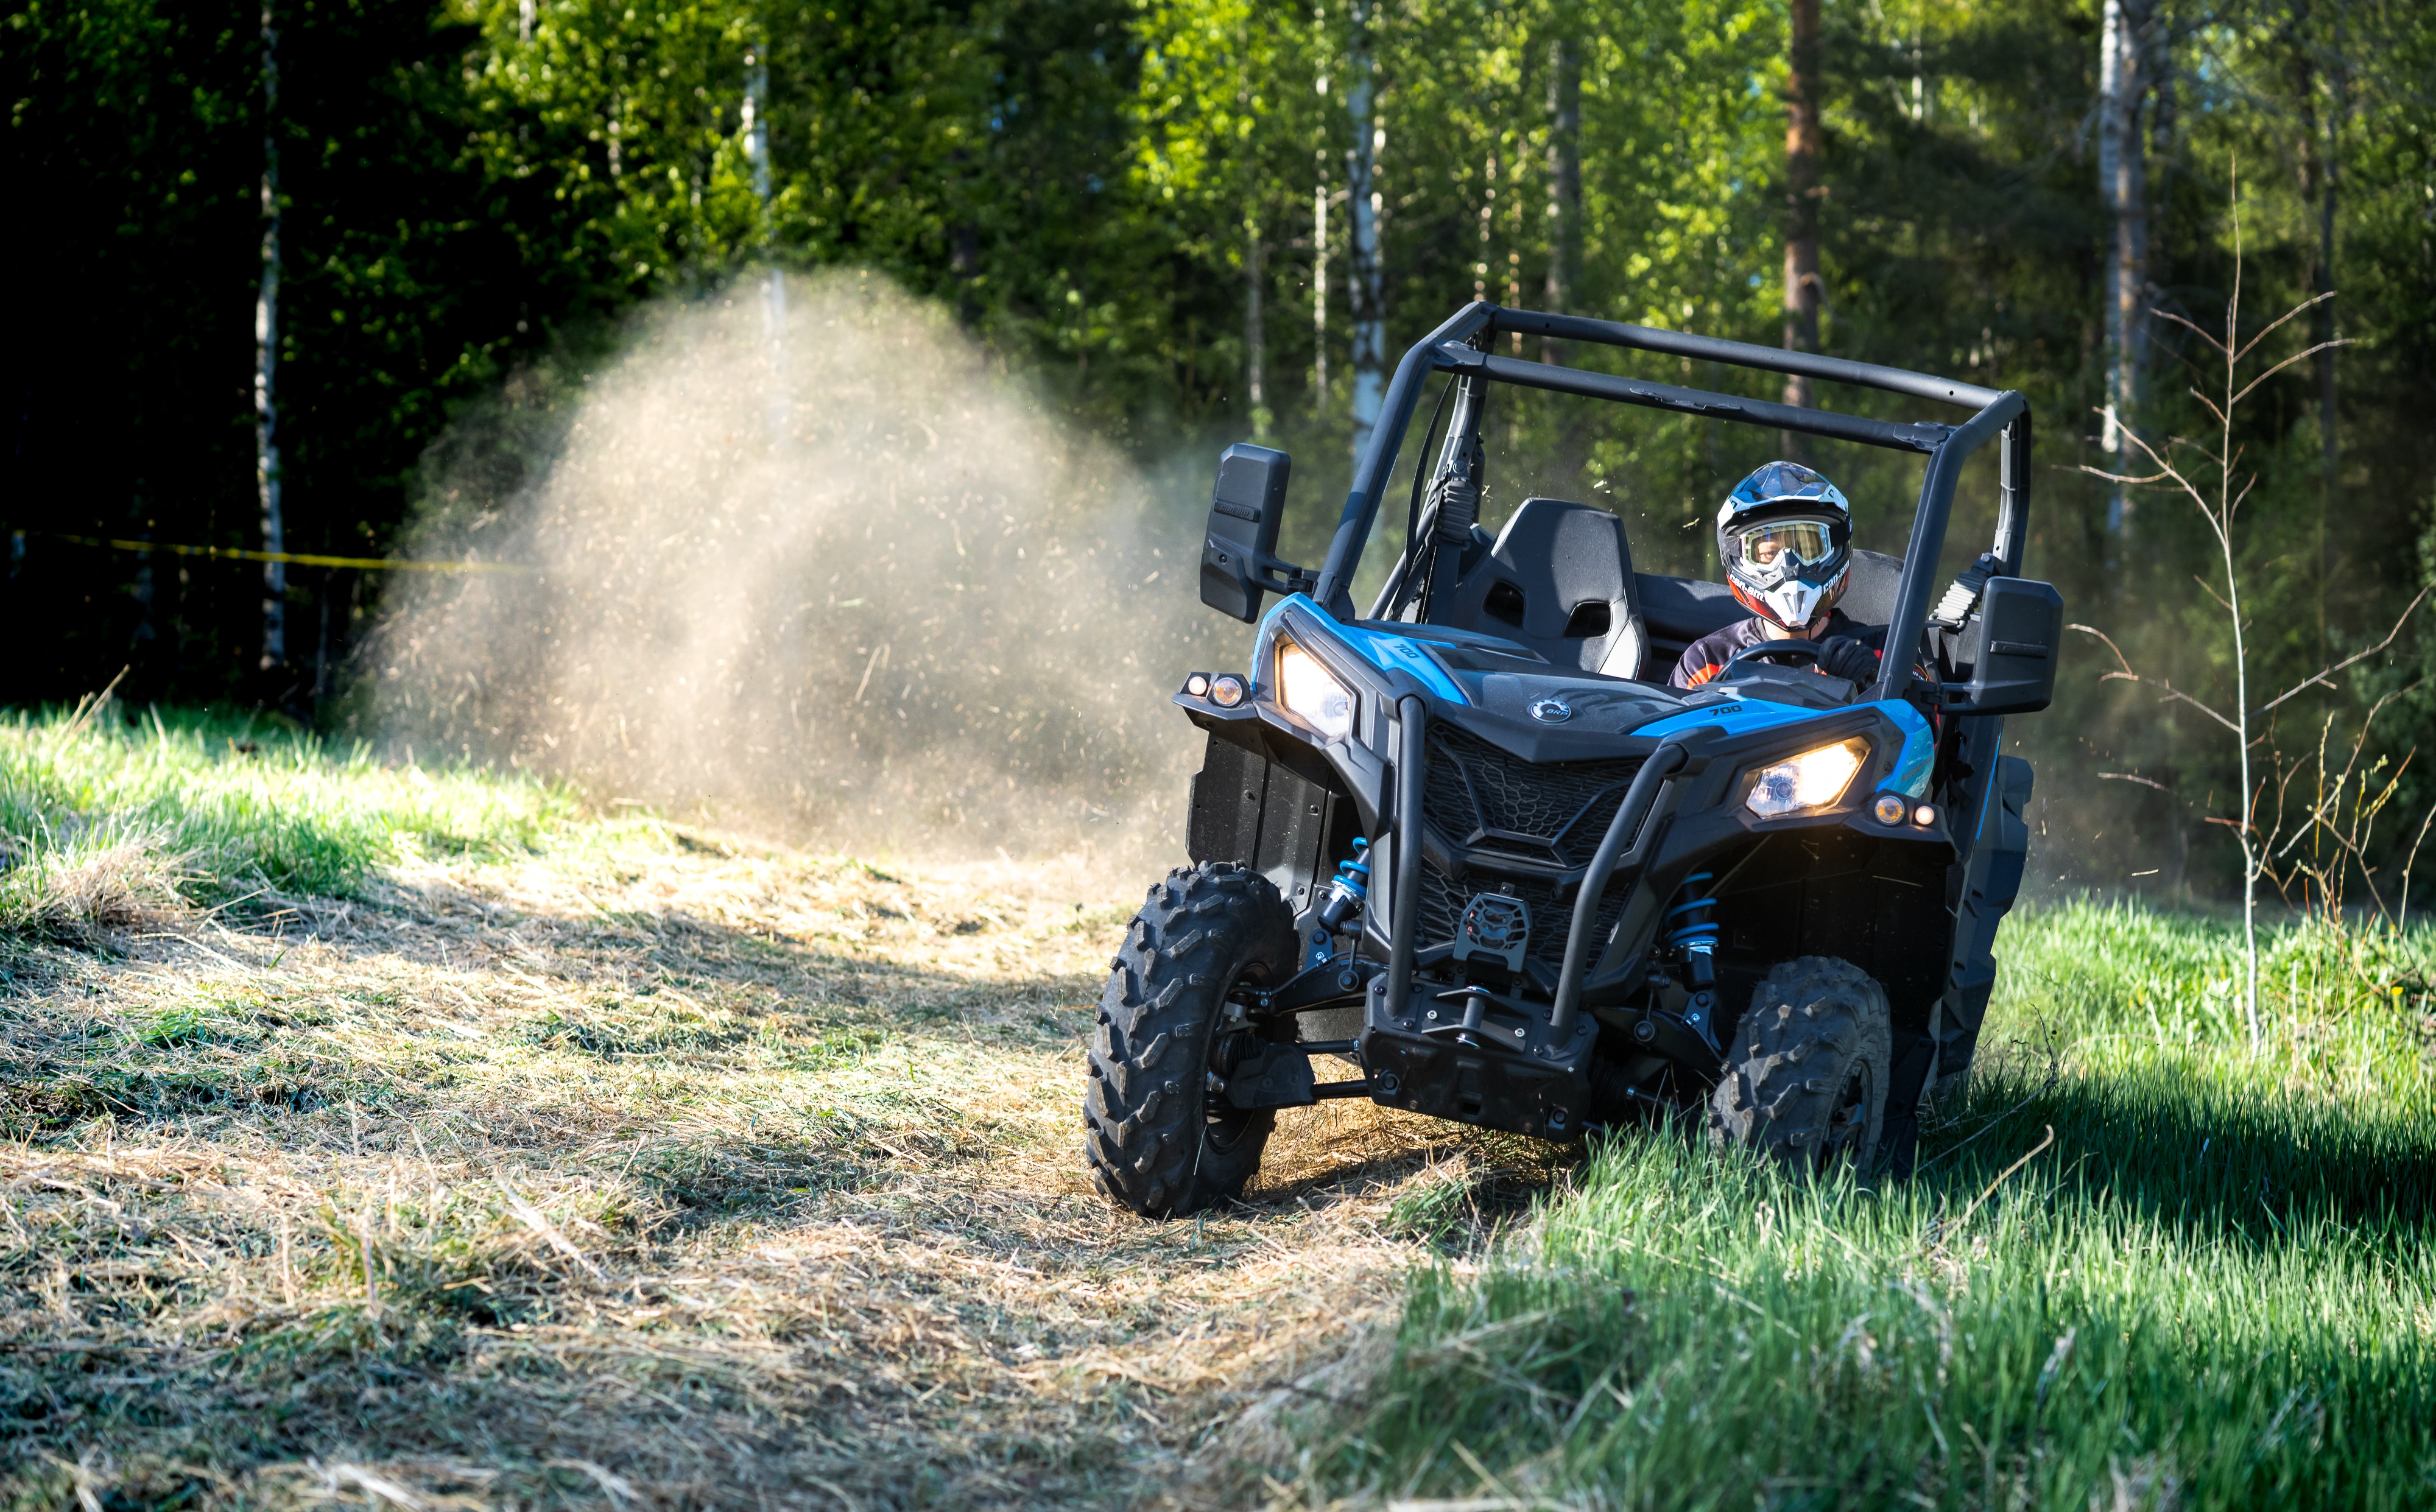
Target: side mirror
(1240,545)
(2011,645)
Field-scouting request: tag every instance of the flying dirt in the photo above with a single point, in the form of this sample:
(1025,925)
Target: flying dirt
(813,567)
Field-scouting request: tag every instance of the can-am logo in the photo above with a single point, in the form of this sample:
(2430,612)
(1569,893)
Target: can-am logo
(1554,710)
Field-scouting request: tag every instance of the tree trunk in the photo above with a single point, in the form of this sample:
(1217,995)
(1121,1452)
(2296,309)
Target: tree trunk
(2306,169)
(266,368)
(1564,182)
(1256,340)
(757,128)
(1487,224)
(2163,123)
(1369,296)
(1802,148)
(1319,285)
(2323,318)
(773,285)
(2122,184)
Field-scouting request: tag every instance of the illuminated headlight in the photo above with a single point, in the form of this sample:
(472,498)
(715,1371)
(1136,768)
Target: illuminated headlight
(1311,692)
(1808,780)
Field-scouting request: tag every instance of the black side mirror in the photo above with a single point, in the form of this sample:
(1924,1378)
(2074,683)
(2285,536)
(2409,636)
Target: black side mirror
(1241,544)
(2010,646)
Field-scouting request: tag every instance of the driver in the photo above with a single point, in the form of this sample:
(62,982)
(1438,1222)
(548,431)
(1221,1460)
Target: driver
(1784,535)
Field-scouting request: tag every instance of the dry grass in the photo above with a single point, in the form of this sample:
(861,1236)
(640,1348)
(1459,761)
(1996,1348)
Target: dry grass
(82,893)
(651,1170)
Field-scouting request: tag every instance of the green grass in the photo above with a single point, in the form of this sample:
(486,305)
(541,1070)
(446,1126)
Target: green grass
(2212,1288)
(105,815)
(2216,1286)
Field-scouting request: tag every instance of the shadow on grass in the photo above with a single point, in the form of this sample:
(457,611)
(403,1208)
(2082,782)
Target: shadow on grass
(2195,1157)
(692,995)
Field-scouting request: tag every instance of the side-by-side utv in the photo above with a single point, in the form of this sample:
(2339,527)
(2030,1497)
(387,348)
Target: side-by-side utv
(1474,844)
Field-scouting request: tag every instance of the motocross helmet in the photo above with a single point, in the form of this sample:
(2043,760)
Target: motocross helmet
(1785,537)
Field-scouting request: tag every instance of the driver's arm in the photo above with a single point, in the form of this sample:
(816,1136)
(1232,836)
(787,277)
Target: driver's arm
(1707,656)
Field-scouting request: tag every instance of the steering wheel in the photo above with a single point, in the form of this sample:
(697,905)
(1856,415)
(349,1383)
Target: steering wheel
(1801,652)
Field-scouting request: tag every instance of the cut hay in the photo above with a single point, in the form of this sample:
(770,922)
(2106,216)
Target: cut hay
(656,1170)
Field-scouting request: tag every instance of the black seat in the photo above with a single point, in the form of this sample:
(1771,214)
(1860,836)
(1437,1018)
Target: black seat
(1870,598)
(1559,579)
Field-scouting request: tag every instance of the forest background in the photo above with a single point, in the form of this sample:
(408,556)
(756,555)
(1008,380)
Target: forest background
(1195,221)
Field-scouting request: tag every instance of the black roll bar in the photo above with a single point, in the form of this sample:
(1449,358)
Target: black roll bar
(1371,468)
(1911,616)
(1744,355)
(1999,413)
(1921,437)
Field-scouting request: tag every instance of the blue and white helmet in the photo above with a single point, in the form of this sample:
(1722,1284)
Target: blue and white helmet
(1785,537)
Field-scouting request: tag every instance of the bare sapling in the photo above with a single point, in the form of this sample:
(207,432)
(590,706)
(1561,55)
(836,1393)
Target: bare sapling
(2213,491)
(2339,819)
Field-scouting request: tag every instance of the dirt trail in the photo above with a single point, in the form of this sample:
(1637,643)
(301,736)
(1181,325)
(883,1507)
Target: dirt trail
(658,1172)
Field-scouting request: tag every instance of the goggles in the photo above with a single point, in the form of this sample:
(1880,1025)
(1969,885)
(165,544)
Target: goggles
(1784,548)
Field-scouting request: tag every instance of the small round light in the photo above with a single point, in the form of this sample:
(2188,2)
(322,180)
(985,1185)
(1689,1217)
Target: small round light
(1197,685)
(1924,816)
(1226,691)
(1889,808)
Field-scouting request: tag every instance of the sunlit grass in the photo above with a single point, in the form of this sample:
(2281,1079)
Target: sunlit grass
(2214,1288)
(104,816)
(650,1167)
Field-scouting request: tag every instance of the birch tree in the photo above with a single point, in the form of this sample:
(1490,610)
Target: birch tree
(1564,180)
(1803,145)
(266,366)
(1368,277)
(2123,187)
(756,124)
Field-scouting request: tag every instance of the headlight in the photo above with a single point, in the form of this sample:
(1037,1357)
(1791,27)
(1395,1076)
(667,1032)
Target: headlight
(1808,780)
(1311,692)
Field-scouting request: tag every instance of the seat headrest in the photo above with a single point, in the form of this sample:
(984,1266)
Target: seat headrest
(1559,579)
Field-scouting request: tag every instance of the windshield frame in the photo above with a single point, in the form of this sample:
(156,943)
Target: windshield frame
(1458,347)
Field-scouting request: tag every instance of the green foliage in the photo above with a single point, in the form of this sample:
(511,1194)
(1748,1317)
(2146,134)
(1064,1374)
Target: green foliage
(477,195)
(2211,1290)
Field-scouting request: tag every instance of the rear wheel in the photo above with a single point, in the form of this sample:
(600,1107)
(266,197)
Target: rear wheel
(1154,1136)
(1808,1075)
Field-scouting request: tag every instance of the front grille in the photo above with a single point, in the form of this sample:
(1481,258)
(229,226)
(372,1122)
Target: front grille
(1489,805)
(1480,798)
(1443,899)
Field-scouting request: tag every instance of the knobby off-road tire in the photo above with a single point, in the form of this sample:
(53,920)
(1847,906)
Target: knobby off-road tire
(1151,1136)
(1806,1079)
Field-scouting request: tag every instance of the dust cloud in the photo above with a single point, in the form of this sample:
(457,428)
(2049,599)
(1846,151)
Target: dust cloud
(812,567)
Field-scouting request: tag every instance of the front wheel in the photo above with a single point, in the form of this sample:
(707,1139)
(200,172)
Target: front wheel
(1152,1136)
(1807,1080)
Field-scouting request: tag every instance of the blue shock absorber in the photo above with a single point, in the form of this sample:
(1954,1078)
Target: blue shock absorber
(1346,897)
(1692,930)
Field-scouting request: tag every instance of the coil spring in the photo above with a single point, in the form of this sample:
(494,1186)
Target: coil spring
(1694,908)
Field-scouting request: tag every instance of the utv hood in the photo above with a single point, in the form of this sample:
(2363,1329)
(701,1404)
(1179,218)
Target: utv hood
(1536,710)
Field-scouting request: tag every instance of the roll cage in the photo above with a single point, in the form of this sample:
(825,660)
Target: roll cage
(1460,347)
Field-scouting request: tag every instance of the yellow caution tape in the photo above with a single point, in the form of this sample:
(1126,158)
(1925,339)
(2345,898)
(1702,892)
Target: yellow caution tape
(302,559)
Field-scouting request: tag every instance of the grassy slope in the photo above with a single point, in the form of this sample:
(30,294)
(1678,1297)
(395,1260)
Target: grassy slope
(2216,1286)
(105,818)
(375,1134)
(372,1128)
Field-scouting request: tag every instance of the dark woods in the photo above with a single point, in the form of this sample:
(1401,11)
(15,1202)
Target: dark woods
(1151,211)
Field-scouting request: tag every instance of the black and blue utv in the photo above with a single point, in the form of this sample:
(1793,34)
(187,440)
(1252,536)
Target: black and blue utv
(1473,843)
